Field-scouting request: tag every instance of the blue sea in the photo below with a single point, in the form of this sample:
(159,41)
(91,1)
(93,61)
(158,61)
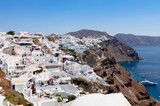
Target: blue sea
(149,67)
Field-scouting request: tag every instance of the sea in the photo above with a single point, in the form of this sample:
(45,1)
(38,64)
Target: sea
(148,68)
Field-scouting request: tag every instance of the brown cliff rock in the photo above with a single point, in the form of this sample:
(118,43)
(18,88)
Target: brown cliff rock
(110,48)
(103,59)
(118,50)
(4,83)
(115,75)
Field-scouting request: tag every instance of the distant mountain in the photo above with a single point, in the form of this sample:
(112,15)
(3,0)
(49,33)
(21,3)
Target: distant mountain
(87,33)
(136,40)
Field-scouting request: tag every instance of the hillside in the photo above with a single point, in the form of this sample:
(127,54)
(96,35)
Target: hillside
(87,33)
(11,95)
(136,40)
(106,67)
(104,61)
(112,47)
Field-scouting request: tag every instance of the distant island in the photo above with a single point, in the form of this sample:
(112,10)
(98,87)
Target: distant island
(138,40)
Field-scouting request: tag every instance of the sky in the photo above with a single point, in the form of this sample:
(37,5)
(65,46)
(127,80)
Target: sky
(141,17)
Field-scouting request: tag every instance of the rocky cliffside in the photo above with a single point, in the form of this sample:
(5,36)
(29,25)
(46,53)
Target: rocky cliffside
(4,83)
(136,40)
(104,60)
(110,48)
(118,77)
(118,50)
(134,92)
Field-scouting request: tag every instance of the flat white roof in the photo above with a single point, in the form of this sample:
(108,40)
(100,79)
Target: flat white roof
(51,102)
(115,99)
(19,81)
(65,78)
(68,56)
(2,100)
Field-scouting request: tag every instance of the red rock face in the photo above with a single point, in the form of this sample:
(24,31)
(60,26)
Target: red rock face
(4,83)
(104,60)
(136,93)
(131,88)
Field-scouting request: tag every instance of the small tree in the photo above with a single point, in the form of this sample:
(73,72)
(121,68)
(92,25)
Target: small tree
(11,32)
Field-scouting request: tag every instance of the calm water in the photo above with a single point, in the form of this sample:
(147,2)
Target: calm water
(150,67)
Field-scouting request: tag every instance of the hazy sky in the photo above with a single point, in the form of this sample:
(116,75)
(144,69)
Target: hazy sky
(62,16)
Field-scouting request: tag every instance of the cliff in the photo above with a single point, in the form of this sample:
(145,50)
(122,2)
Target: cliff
(136,40)
(118,50)
(11,95)
(111,48)
(118,77)
(4,83)
(104,60)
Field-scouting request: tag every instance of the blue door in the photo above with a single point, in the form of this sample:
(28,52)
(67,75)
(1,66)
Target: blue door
(13,87)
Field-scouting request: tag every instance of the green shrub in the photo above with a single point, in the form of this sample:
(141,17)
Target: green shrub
(57,54)
(59,97)
(71,97)
(70,51)
(83,92)
(56,95)
(79,81)
(72,82)
(42,83)
(16,98)
(29,104)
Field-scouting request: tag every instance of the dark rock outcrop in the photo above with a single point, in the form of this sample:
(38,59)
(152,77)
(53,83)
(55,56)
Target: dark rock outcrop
(118,50)
(112,49)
